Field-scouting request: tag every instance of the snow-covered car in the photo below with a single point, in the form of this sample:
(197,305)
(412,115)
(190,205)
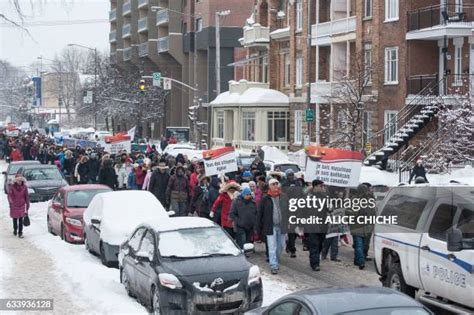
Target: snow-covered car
(431,248)
(359,300)
(112,216)
(12,168)
(281,166)
(185,149)
(188,265)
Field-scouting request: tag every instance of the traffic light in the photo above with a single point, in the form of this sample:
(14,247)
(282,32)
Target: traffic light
(141,86)
(192,114)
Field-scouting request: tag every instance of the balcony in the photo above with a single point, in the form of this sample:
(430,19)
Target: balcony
(142,3)
(435,22)
(256,36)
(162,17)
(113,36)
(127,8)
(143,49)
(163,44)
(126,31)
(143,24)
(127,54)
(113,15)
(324,31)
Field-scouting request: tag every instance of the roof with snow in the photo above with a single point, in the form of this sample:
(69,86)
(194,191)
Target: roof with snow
(250,94)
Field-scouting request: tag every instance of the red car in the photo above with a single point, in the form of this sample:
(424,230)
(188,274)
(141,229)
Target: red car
(65,210)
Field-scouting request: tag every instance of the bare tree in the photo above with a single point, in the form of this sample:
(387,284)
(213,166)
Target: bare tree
(15,92)
(349,101)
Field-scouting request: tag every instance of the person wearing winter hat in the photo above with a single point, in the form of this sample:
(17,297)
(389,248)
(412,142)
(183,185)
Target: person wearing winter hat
(243,214)
(246,177)
(19,202)
(418,171)
(178,192)
(159,182)
(224,201)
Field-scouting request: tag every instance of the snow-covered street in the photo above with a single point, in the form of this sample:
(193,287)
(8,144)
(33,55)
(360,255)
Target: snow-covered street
(43,266)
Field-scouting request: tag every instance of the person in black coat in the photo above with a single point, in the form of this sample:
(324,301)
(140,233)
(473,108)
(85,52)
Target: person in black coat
(243,214)
(159,182)
(107,175)
(93,166)
(418,171)
(83,170)
(200,200)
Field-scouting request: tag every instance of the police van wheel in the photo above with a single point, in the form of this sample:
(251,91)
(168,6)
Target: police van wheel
(396,281)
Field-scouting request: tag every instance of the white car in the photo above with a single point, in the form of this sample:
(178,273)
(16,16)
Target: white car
(431,248)
(281,166)
(112,216)
(185,149)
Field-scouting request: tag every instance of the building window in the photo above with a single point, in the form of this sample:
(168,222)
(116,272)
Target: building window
(458,65)
(299,71)
(390,124)
(198,24)
(341,120)
(299,15)
(265,69)
(458,6)
(185,28)
(368,5)
(220,125)
(368,64)
(298,127)
(367,126)
(391,10)
(278,126)
(248,122)
(287,69)
(391,65)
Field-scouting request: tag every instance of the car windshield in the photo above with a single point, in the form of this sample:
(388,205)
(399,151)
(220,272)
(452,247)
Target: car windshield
(285,167)
(390,311)
(42,174)
(197,242)
(82,198)
(246,161)
(14,168)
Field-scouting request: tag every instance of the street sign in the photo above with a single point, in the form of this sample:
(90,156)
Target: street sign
(306,140)
(38,97)
(166,84)
(156,78)
(309,115)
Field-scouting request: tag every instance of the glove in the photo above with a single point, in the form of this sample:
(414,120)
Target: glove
(211,214)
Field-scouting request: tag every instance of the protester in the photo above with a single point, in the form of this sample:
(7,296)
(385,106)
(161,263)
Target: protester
(159,183)
(272,224)
(200,203)
(243,215)
(107,175)
(93,166)
(83,171)
(226,195)
(178,192)
(19,202)
(16,155)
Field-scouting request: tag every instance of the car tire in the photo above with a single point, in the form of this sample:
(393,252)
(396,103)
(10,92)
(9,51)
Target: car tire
(86,244)
(103,259)
(155,301)
(126,283)
(50,228)
(396,281)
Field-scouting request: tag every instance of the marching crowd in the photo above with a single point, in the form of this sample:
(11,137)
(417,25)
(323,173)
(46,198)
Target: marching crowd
(249,204)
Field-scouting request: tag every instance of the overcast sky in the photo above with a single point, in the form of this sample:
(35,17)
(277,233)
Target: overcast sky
(21,50)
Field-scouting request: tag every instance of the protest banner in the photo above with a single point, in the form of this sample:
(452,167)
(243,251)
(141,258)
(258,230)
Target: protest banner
(220,161)
(117,144)
(335,167)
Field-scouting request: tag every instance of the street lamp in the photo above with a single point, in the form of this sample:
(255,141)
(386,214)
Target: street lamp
(94,98)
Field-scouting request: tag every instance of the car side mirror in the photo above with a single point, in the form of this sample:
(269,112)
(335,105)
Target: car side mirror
(4,173)
(171,213)
(95,221)
(249,247)
(454,240)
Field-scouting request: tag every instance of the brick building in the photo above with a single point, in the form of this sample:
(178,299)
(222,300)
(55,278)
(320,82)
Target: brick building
(159,36)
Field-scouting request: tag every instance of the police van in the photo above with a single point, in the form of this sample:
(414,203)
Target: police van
(431,248)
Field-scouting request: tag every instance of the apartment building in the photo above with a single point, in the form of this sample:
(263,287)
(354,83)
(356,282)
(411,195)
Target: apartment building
(160,36)
(273,62)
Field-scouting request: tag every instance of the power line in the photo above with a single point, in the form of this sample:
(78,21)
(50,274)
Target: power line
(56,23)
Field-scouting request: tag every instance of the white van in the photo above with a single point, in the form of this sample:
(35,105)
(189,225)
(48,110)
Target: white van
(431,249)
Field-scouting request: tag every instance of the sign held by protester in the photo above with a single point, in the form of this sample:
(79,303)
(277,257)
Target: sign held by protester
(117,144)
(220,161)
(335,167)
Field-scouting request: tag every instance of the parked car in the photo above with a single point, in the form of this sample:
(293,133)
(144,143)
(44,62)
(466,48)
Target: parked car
(43,181)
(66,209)
(112,216)
(431,248)
(350,301)
(11,171)
(185,149)
(188,265)
(281,166)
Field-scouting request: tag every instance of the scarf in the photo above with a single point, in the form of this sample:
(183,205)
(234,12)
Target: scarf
(274,194)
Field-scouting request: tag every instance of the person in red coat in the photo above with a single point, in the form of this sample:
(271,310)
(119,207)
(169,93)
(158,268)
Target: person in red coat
(140,174)
(227,194)
(16,155)
(19,202)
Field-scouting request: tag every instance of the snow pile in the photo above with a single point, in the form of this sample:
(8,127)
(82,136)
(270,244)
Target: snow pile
(273,289)
(463,175)
(374,176)
(6,267)
(274,154)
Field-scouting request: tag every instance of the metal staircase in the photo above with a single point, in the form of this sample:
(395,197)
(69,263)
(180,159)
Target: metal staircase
(408,122)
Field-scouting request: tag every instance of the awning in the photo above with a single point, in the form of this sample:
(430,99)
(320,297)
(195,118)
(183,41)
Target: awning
(243,62)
